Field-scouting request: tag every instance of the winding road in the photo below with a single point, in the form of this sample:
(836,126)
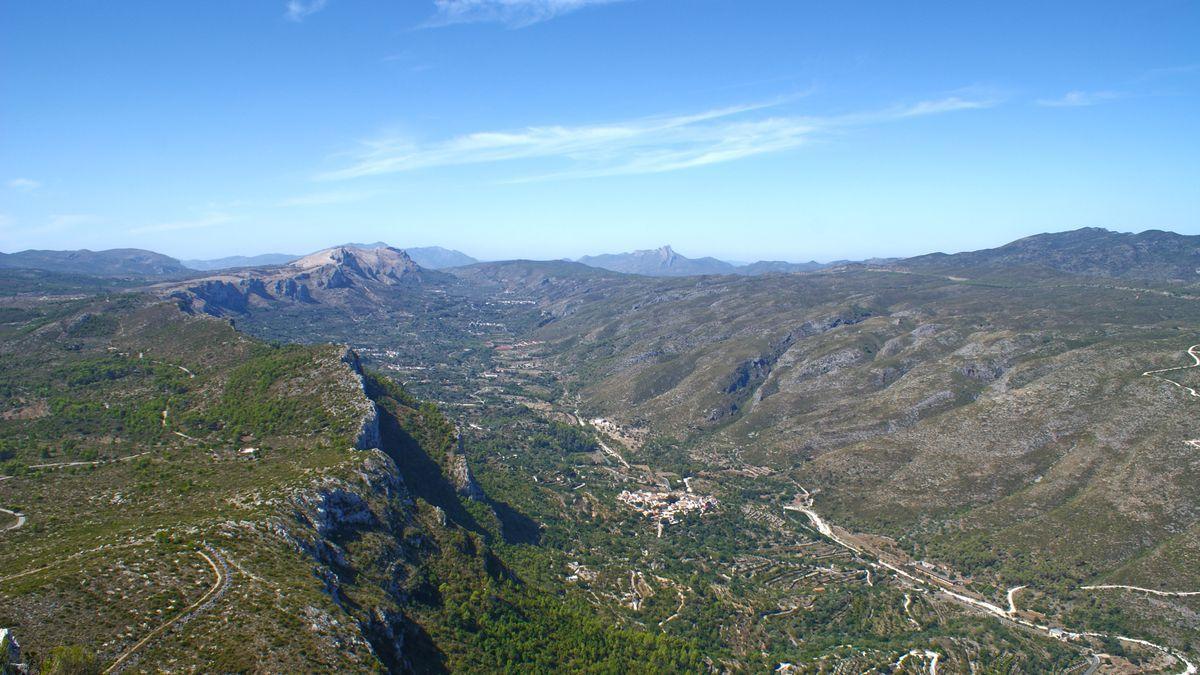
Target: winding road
(1194,352)
(15,514)
(995,610)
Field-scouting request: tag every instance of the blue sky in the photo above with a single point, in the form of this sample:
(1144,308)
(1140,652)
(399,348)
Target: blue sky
(556,128)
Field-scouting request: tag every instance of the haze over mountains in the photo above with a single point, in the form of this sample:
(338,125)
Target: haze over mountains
(113,262)
(429,257)
(665,262)
(1152,254)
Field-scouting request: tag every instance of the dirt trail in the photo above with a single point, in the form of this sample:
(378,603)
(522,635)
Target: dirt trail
(21,519)
(59,465)
(19,516)
(1012,605)
(15,514)
(218,589)
(1168,594)
(930,656)
(908,611)
(73,556)
(1194,352)
(603,446)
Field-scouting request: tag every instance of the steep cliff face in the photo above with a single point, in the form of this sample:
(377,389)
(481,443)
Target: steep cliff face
(371,527)
(463,479)
(368,429)
(328,518)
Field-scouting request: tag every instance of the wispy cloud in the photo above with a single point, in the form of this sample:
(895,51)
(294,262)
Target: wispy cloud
(512,13)
(1079,99)
(207,221)
(24,184)
(298,10)
(325,198)
(639,146)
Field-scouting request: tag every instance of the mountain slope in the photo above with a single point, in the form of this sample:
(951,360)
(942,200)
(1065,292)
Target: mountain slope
(192,498)
(234,261)
(980,424)
(437,258)
(117,262)
(355,278)
(1153,254)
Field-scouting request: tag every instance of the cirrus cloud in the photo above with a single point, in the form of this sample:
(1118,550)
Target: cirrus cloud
(298,10)
(24,184)
(638,146)
(1078,99)
(512,13)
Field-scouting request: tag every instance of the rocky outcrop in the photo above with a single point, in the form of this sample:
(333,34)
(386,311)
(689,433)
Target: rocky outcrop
(332,513)
(10,653)
(385,631)
(217,296)
(369,434)
(748,376)
(464,480)
(460,473)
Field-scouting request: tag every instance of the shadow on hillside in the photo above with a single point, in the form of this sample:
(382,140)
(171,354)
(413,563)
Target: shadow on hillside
(422,474)
(517,527)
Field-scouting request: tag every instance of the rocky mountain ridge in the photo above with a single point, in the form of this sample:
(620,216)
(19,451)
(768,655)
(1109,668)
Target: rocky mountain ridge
(337,275)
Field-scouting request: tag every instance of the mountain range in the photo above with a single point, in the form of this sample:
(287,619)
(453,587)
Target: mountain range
(974,462)
(1153,254)
(429,257)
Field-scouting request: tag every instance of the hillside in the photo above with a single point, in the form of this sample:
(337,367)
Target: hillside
(185,497)
(985,425)
(438,258)
(117,262)
(1152,255)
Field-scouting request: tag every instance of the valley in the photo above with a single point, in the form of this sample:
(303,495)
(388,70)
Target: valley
(1006,456)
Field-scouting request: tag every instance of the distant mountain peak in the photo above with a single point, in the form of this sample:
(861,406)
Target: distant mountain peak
(665,261)
(384,264)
